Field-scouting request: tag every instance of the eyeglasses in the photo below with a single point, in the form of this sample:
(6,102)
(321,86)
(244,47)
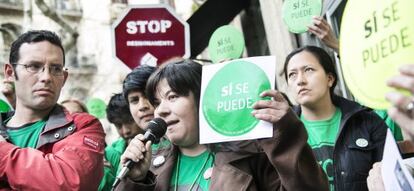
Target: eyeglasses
(35,68)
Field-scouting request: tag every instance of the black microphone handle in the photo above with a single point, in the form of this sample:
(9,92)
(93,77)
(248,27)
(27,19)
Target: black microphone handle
(129,164)
(156,129)
(148,136)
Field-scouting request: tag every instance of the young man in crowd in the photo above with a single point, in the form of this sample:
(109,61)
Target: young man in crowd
(141,109)
(118,114)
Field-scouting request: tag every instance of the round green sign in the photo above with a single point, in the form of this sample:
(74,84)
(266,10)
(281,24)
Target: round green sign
(227,42)
(297,14)
(228,98)
(96,107)
(377,37)
(4,106)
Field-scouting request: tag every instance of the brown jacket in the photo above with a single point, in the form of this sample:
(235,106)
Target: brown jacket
(284,162)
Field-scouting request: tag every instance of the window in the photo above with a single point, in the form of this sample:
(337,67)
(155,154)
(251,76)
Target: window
(333,15)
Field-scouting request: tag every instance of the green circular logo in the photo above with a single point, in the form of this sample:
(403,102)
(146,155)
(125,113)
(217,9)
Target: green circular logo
(230,95)
(227,42)
(297,14)
(96,107)
(4,106)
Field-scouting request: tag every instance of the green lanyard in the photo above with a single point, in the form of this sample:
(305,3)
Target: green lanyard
(178,171)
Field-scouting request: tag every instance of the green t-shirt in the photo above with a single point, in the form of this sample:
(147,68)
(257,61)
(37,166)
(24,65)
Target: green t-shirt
(164,143)
(113,156)
(26,135)
(107,180)
(395,129)
(113,153)
(322,136)
(190,172)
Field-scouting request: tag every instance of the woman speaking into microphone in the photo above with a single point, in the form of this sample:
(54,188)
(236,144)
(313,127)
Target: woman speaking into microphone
(283,162)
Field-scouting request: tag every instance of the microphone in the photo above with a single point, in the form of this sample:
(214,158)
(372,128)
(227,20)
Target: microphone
(155,130)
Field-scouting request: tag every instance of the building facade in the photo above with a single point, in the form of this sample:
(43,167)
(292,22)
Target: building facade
(85,27)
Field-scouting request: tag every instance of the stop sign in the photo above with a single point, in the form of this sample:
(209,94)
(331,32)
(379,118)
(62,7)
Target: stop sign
(150,35)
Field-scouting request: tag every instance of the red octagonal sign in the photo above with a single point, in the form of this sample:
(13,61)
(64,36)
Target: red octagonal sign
(150,35)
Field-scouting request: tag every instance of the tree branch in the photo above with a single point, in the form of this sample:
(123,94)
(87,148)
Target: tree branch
(70,41)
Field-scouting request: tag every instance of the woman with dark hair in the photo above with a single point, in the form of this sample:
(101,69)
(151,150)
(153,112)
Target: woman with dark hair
(346,138)
(283,162)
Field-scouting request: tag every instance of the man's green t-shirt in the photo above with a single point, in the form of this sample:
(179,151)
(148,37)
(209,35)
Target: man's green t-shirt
(322,137)
(190,172)
(26,135)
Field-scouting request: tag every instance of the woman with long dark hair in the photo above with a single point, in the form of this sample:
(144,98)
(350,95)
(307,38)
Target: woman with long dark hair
(346,138)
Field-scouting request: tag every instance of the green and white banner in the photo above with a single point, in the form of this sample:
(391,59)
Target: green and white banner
(228,92)
(4,104)
(96,107)
(226,43)
(297,14)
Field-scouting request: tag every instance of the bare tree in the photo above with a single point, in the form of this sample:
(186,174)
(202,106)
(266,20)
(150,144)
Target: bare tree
(72,35)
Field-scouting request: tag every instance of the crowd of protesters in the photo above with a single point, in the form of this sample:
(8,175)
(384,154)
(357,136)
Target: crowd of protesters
(325,142)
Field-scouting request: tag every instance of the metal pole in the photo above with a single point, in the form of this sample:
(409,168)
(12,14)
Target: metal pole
(340,79)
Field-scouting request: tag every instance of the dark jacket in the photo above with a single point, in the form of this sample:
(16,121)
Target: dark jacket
(284,162)
(68,156)
(351,162)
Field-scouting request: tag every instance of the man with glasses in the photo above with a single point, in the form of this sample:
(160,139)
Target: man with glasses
(42,146)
